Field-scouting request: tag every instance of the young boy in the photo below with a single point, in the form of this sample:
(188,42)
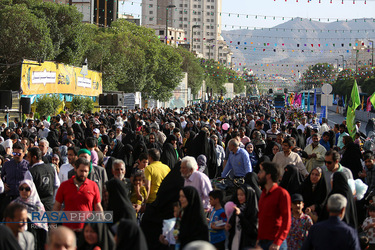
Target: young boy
(301,223)
(217,220)
(139,193)
(369,226)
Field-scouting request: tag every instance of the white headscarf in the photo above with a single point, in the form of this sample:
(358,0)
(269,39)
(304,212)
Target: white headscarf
(32,203)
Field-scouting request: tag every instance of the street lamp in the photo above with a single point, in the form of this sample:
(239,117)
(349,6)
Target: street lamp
(231,61)
(192,37)
(372,52)
(342,62)
(166,22)
(337,64)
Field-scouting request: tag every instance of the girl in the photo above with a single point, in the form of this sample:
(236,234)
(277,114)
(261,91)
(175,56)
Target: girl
(243,224)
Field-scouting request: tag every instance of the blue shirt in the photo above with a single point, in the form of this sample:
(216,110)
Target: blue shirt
(326,145)
(332,234)
(239,162)
(13,173)
(217,236)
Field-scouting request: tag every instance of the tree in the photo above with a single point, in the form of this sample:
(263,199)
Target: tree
(22,35)
(83,104)
(192,66)
(48,104)
(315,76)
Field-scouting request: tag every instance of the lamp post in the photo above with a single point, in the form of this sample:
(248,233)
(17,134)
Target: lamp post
(231,61)
(372,52)
(192,37)
(166,22)
(337,64)
(343,66)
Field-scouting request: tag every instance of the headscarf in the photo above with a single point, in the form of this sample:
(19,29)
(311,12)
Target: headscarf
(292,179)
(352,159)
(161,208)
(32,203)
(254,156)
(318,195)
(118,200)
(192,213)
(340,186)
(169,156)
(202,163)
(130,236)
(251,179)
(249,221)
(105,237)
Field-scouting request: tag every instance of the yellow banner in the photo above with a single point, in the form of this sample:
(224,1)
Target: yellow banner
(50,78)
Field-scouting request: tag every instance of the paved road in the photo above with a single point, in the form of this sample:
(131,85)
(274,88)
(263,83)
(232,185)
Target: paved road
(334,118)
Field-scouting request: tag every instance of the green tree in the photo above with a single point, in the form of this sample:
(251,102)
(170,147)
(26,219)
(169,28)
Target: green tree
(318,74)
(22,35)
(48,104)
(192,66)
(83,104)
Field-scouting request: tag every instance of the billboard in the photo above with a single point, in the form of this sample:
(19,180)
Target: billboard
(50,77)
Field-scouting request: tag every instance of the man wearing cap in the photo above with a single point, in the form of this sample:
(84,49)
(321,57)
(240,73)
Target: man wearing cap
(43,131)
(96,173)
(333,233)
(160,136)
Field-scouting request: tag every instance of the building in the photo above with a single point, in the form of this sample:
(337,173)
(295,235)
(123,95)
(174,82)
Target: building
(130,18)
(362,54)
(200,19)
(99,12)
(176,37)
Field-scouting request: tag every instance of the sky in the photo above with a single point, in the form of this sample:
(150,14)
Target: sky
(266,10)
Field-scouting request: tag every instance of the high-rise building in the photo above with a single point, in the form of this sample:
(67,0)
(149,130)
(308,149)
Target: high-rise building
(200,19)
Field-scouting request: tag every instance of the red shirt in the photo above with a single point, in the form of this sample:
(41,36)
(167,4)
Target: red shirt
(274,215)
(83,199)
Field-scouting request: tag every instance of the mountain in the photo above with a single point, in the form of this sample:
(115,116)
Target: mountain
(288,48)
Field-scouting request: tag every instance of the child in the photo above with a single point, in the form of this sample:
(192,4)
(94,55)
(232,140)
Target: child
(217,220)
(369,225)
(168,238)
(357,139)
(301,223)
(139,194)
(243,223)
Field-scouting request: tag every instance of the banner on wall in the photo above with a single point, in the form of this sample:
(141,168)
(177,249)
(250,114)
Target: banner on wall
(51,77)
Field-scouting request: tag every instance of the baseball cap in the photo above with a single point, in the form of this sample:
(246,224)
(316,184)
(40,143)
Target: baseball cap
(296,197)
(96,131)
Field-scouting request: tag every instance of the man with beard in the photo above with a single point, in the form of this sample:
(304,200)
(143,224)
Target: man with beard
(274,209)
(78,193)
(201,182)
(316,153)
(65,168)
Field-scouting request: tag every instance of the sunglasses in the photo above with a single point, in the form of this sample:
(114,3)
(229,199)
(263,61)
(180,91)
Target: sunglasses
(24,188)
(18,154)
(327,162)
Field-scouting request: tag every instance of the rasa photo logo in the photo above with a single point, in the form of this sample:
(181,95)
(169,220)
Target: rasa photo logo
(72,217)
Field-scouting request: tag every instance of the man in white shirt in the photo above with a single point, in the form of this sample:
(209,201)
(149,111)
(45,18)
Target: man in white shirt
(316,153)
(65,168)
(287,157)
(303,124)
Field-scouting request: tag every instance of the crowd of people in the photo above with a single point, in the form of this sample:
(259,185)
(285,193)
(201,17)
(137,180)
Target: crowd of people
(235,174)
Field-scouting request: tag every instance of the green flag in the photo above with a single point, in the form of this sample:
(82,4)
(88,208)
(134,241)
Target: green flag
(372,99)
(354,102)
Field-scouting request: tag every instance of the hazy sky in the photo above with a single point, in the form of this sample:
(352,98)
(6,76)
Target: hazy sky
(278,9)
